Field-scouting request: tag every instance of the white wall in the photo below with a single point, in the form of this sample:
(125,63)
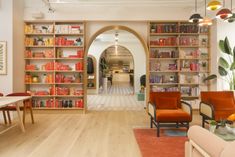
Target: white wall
(222,29)
(6,34)
(139,56)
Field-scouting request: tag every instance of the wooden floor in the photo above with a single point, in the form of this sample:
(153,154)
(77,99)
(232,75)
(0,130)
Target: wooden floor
(95,134)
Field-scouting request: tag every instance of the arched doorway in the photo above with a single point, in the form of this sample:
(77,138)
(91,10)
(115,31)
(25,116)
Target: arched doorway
(143,61)
(116,63)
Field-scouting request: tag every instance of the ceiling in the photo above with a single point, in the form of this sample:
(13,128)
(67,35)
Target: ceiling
(172,3)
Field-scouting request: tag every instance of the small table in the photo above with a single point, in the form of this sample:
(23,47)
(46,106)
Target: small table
(17,101)
(227,137)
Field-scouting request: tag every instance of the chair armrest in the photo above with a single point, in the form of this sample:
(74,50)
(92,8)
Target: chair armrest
(152,110)
(207,110)
(212,146)
(186,107)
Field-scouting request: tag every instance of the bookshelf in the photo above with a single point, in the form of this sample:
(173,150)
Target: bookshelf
(179,57)
(54,62)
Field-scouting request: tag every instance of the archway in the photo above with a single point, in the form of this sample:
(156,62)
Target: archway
(131,31)
(119,67)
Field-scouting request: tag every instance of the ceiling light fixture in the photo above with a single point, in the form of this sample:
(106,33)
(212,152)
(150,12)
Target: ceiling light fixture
(206,20)
(224,13)
(214,5)
(231,18)
(196,17)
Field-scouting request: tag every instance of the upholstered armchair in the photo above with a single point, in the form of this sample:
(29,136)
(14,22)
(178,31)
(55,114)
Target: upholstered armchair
(216,105)
(167,110)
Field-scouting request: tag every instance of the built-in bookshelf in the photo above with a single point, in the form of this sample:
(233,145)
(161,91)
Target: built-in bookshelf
(179,57)
(54,62)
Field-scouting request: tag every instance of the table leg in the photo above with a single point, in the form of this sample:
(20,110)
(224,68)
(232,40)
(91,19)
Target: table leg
(19,116)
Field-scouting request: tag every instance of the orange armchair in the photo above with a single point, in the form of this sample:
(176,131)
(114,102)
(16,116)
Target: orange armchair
(216,105)
(167,110)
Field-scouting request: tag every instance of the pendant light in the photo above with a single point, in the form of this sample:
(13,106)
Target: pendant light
(195,18)
(232,18)
(214,5)
(206,21)
(224,13)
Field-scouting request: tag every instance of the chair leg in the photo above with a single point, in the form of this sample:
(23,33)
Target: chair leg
(203,122)
(151,122)
(24,112)
(158,129)
(4,117)
(31,113)
(177,125)
(9,117)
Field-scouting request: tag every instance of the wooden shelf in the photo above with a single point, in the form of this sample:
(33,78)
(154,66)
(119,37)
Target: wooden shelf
(163,84)
(32,46)
(42,96)
(39,58)
(64,108)
(39,34)
(164,34)
(68,58)
(69,34)
(69,96)
(69,71)
(157,46)
(69,83)
(40,71)
(168,71)
(39,83)
(70,46)
(163,58)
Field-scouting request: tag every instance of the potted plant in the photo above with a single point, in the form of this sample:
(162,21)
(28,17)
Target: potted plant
(212,126)
(226,66)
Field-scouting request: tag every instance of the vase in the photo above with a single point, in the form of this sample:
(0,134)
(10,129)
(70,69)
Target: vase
(212,128)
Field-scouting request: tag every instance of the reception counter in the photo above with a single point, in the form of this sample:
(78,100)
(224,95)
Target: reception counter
(121,77)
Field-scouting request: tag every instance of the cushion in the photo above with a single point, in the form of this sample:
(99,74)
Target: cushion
(222,103)
(223,114)
(166,103)
(177,115)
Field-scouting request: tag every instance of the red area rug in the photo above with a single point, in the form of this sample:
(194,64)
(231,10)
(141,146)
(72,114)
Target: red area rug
(163,146)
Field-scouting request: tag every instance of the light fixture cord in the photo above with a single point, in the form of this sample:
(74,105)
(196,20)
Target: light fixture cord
(224,3)
(196,6)
(205,8)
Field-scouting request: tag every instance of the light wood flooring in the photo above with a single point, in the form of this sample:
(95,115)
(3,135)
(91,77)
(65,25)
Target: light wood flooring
(95,134)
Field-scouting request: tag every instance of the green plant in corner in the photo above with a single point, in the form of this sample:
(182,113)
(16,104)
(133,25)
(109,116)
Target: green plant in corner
(226,66)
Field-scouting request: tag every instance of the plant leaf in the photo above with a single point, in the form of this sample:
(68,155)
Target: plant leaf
(234,54)
(223,63)
(232,66)
(222,71)
(210,77)
(227,47)
(221,46)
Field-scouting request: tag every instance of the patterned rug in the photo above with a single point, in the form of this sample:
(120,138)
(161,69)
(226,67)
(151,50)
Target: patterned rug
(163,146)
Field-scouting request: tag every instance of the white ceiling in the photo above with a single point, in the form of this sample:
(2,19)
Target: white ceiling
(169,3)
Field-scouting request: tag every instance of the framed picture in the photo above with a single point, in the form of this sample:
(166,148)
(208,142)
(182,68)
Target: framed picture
(3,57)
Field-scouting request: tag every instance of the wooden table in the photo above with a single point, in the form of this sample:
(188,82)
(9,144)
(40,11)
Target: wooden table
(17,101)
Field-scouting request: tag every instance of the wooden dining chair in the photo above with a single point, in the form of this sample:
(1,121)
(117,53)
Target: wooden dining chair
(4,112)
(27,105)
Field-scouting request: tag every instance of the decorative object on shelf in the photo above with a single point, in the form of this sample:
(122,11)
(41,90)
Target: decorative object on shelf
(196,17)
(224,12)
(226,66)
(214,5)
(206,20)
(3,57)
